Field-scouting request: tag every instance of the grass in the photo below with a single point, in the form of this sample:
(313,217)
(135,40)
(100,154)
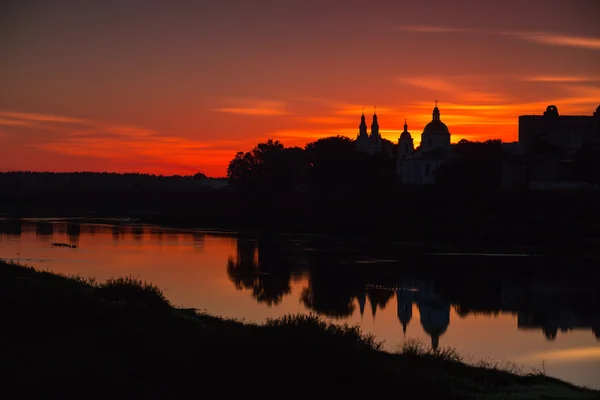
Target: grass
(417,348)
(70,337)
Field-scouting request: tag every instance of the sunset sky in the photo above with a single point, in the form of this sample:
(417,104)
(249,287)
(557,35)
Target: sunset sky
(178,86)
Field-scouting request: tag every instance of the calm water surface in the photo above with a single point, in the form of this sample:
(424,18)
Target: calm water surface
(472,303)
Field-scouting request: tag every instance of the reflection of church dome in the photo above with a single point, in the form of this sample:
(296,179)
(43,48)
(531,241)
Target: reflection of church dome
(435,318)
(436,126)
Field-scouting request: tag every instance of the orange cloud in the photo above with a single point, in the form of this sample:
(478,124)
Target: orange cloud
(430,83)
(550,39)
(560,79)
(561,40)
(253,107)
(307,135)
(16,122)
(326,120)
(356,109)
(123,145)
(432,29)
(40,117)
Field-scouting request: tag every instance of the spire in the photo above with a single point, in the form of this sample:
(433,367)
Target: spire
(436,112)
(375,124)
(362,128)
(405,126)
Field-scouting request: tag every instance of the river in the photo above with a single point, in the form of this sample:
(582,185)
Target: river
(520,310)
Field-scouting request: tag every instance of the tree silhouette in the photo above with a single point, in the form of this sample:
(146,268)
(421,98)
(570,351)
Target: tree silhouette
(474,165)
(269,167)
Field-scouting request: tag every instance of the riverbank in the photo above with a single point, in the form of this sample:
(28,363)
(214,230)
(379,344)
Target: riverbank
(67,337)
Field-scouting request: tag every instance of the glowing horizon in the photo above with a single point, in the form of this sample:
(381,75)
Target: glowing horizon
(186,87)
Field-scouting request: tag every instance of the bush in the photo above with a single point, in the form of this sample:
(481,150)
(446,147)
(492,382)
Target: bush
(133,292)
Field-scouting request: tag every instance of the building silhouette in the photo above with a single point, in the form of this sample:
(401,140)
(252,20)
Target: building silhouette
(418,166)
(404,299)
(552,149)
(365,142)
(434,311)
(414,166)
(567,132)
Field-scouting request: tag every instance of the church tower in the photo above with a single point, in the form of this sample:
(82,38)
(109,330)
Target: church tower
(362,128)
(362,139)
(405,143)
(406,148)
(375,127)
(375,138)
(435,134)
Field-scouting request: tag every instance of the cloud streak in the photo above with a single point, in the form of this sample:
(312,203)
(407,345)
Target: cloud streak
(583,42)
(118,144)
(545,38)
(560,78)
(429,83)
(33,117)
(255,108)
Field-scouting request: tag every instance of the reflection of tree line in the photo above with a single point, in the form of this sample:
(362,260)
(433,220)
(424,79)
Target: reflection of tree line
(267,275)
(45,230)
(336,285)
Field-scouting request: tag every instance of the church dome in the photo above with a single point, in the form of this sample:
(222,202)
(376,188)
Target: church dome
(405,134)
(436,126)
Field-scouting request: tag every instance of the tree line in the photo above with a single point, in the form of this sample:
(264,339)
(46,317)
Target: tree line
(332,166)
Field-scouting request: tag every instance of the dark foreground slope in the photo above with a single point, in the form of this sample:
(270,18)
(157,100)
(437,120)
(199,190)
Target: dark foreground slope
(64,337)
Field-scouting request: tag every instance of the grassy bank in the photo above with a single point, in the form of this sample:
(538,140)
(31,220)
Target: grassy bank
(67,337)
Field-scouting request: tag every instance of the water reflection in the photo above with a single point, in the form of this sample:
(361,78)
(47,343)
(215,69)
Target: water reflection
(44,230)
(137,233)
(117,233)
(199,240)
(484,306)
(73,232)
(11,227)
(544,297)
(267,276)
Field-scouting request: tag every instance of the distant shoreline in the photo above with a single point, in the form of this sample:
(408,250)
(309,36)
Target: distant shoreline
(430,246)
